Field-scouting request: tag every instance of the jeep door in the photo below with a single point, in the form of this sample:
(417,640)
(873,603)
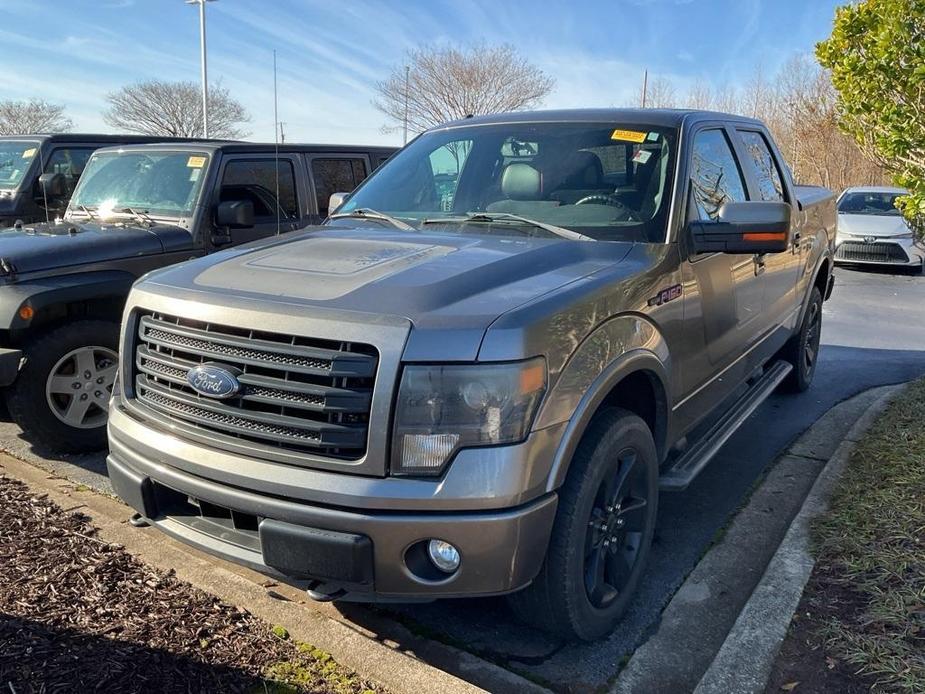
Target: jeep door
(335,173)
(253,178)
(724,293)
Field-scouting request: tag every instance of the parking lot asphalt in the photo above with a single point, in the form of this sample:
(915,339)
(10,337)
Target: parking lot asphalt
(872,334)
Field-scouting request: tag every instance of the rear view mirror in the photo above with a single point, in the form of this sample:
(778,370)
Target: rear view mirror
(52,186)
(335,201)
(235,214)
(744,227)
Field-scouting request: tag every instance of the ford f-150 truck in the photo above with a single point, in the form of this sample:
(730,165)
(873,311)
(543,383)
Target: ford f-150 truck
(135,209)
(477,376)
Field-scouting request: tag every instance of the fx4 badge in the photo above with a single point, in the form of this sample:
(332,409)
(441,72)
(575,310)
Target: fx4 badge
(666,295)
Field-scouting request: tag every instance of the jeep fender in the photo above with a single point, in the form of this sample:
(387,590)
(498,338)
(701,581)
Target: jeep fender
(622,346)
(45,293)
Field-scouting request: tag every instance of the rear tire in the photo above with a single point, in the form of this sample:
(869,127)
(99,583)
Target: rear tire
(802,351)
(61,397)
(602,533)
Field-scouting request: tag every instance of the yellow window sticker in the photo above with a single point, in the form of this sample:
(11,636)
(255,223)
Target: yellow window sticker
(29,153)
(196,162)
(628,135)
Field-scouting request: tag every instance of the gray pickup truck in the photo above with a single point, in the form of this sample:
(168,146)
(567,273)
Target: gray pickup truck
(137,208)
(478,375)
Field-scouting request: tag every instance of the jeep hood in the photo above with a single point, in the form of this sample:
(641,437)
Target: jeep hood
(442,282)
(43,247)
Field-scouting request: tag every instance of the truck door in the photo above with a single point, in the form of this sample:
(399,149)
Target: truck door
(254,178)
(724,293)
(781,270)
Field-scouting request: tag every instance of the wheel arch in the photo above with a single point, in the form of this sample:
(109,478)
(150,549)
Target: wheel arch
(637,380)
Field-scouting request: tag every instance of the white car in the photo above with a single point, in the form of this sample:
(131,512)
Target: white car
(871,231)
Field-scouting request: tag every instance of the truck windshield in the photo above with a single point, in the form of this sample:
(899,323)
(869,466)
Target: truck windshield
(156,183)
(874,203)
(15,159)
(606,181)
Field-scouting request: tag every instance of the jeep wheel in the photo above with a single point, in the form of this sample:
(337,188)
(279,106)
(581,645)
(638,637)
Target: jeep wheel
(602,534)
(803,349)
(61,397)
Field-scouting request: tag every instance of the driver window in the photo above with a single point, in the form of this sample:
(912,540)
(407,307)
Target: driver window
(715,175)
(256,181)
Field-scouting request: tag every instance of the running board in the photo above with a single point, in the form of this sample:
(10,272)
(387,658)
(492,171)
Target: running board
(690,464)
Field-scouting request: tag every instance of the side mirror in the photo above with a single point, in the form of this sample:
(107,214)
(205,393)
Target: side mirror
(744,227)
(235,214)
(335,201)
(52,187)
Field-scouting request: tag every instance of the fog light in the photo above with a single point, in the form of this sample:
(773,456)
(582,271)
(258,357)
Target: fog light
(444,555)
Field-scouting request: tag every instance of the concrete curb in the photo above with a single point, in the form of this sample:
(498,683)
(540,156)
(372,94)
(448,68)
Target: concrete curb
(695,625)
(386,653)
(744,662)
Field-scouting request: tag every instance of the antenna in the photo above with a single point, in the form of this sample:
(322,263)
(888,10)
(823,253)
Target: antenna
(276,142)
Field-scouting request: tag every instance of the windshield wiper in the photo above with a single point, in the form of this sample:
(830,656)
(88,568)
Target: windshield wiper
(87,211)
(140,215)
(491,217)
(367,213)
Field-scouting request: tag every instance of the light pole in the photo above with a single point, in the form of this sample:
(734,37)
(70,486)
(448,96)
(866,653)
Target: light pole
(202,48)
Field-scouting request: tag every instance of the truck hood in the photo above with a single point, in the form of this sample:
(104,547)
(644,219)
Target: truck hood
(440,281)
(872,225)
(42,247)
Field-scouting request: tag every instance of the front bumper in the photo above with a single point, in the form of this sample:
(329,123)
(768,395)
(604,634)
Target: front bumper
(879,251)
(330,548)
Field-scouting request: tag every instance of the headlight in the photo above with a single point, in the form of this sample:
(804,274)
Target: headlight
(441,409)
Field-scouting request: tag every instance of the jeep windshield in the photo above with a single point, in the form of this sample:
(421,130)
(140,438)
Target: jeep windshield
(606,181)
(132,185)
(15,159)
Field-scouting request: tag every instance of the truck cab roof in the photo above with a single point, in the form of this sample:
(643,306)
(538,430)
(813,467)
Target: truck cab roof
(664,117)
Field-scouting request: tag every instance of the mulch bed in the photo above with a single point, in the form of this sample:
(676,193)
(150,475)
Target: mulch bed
(80,614)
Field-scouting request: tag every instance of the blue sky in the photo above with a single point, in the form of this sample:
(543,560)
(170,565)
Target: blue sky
(331,52)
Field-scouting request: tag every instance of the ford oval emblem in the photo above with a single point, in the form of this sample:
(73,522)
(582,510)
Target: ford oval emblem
(213,381)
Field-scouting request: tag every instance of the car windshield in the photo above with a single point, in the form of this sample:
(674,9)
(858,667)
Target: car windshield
(869,203)
(156,183)
(605,181)
(15,159)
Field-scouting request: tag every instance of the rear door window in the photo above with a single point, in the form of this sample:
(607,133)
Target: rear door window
(715,175)
(770,186)
(336,175)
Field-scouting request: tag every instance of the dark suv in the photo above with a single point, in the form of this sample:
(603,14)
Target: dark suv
(135,209)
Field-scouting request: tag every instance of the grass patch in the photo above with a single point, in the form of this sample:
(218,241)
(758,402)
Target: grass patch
(870,548)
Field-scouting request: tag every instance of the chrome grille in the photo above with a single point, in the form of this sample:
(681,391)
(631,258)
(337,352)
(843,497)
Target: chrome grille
(871,252)
(301,394)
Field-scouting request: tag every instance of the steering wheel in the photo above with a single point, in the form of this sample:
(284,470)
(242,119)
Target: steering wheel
(609,200)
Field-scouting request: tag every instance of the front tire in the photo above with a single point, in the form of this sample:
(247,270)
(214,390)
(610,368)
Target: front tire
(602,534)
(61,397)
(802,352)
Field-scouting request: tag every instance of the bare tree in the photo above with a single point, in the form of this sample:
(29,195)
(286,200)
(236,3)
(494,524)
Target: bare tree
(700,96)
(659,93)
(32,116)
(439,84)
(155,107)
